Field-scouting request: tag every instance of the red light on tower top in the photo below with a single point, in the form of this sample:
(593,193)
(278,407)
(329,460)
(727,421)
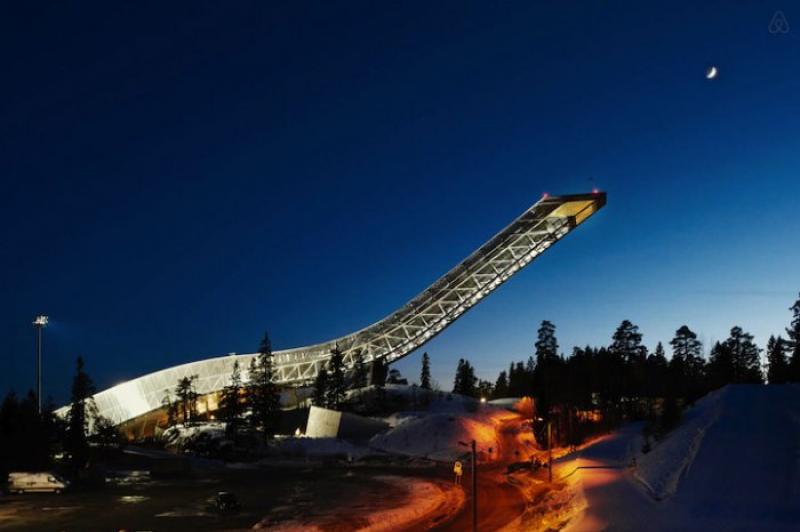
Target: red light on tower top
(545,195)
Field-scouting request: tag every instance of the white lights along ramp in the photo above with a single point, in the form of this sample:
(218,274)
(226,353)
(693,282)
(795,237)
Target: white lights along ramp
(393,337)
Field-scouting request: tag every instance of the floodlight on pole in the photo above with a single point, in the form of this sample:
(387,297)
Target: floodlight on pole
(39,323)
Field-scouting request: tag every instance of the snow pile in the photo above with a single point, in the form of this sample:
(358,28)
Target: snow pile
(546,507)
(190,436)
(661,469)
(399,418)
(318,447)
(436,436)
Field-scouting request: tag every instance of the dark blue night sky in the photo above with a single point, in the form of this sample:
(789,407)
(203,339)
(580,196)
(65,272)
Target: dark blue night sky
(176,179)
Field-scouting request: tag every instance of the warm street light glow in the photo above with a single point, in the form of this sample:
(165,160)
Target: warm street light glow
(483,399)
(40,321)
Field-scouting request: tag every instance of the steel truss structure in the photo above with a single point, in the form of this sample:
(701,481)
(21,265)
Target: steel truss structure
(391,338)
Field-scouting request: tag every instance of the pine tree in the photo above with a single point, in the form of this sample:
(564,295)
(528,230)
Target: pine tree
(546,345)
(105,433)
(529,379)
(231,407)
(320,393)
(263,394)
(546,370)
(689,351)
(518,380)
(81,413)
(777,363)
(627,342)
(425,373)
(793,332)
(687,348)
(656,376)
(26,436)
(745,357)
(627,346)
(659,354)
(172,409)
(720,366)
(458,385)
(360,371)
(466,382)
(337,388)
(187,397)
(501,386)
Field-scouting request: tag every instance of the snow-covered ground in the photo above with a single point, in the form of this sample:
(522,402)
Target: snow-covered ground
(448,419)
(661,470)
(179,436)
(431,430)
(421,505)
(733,464)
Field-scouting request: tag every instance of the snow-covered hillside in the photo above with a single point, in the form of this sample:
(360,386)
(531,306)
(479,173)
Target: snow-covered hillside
(661,469)
(732,464)
(448,419)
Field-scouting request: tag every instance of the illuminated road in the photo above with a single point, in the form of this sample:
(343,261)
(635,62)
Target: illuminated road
(612,497)
(499,503)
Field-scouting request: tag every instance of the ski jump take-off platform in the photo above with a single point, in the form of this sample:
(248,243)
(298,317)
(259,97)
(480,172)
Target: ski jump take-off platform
(395,336)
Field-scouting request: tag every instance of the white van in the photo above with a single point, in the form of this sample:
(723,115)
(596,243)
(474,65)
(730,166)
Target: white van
(29,482)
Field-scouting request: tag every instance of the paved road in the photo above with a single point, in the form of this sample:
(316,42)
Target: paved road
(614,501)
(499,503)
(277,493)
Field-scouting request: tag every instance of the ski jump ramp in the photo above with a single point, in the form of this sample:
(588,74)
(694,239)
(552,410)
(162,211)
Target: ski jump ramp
(393,337)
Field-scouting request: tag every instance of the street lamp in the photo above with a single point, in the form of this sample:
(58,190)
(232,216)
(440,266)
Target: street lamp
(474,483)
(39,323)
(549,446)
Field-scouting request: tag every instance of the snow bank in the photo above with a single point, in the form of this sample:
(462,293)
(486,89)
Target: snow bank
(547,507)
(184,436)
(318,447)
(436,436)
(661,469)
(425,498)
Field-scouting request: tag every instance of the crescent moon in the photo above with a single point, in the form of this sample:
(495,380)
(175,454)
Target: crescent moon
(712,73)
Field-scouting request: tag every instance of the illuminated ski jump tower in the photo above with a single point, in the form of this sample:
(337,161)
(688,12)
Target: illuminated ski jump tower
(393,337)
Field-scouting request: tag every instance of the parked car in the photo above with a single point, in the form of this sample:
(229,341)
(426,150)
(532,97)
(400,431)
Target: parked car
(24,482)
(226,502)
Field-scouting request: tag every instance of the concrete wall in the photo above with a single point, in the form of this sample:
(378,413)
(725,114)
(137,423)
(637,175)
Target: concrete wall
(324,423)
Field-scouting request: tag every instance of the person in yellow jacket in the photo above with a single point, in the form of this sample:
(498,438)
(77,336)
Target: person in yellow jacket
(458,470)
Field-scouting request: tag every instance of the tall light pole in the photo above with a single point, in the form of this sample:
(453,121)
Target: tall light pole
(549,451)
(39,323)
(549,447)
(474,449)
